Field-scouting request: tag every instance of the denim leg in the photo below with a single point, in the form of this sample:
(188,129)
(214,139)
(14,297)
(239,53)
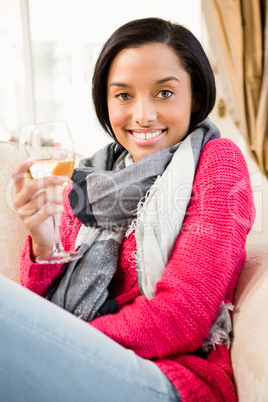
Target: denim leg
(47,354)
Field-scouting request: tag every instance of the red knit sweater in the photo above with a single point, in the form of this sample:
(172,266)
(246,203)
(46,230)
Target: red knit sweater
(202,272)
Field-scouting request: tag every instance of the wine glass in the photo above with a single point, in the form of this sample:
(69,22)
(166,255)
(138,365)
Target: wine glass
(50,147)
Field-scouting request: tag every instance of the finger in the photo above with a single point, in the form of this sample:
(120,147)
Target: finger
(18,174)
(31,188)
(32,222)
(37,203)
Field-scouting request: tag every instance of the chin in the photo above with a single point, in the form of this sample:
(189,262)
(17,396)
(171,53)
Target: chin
(139,155)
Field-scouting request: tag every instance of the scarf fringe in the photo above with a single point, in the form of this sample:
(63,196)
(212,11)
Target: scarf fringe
(137,212)
(221,330)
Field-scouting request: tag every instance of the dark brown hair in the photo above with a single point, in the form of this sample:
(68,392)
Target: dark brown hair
(156,30)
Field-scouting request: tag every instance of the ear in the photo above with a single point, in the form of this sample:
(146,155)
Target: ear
(196,103)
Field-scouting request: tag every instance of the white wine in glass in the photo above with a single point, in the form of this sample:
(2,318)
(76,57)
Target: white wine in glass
(50,147)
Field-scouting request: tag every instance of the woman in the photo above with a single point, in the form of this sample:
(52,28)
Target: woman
(161,215)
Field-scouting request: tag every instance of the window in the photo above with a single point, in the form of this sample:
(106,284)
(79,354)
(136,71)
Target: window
(12,67)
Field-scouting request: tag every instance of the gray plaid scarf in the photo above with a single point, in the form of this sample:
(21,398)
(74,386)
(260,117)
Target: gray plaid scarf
(111,198)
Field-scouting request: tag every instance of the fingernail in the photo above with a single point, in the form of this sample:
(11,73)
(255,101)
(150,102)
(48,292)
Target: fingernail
(29,162)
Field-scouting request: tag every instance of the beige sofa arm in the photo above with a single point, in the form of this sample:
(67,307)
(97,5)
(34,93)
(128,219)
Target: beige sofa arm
(12,233)
(249,351)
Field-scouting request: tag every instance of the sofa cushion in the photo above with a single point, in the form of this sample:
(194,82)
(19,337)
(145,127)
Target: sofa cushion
(249,351)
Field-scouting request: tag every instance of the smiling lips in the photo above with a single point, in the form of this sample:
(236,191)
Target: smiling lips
(147,137)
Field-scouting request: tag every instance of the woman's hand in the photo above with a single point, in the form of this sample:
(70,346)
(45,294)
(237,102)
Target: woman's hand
(36,201)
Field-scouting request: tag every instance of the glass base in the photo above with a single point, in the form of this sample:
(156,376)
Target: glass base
(59,258)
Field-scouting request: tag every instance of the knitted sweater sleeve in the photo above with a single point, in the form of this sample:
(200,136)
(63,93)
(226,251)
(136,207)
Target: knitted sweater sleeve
(204,267)
(39,277)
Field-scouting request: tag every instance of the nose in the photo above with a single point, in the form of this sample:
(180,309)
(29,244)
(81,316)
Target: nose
(144,112)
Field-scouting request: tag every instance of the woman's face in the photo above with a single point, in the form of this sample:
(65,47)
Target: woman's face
(149,99)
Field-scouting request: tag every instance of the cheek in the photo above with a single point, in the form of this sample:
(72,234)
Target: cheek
(181,108)
(116,115)
(178,115)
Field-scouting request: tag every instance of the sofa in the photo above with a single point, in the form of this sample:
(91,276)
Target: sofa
(249,350)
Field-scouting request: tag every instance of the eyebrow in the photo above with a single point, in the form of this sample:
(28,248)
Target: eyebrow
(171,78)
(162,81)
(117,84)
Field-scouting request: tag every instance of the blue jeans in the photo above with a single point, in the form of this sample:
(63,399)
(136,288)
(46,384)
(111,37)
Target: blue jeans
(47,354)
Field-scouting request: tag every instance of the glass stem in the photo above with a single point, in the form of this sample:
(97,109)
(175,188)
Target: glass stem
(58,247)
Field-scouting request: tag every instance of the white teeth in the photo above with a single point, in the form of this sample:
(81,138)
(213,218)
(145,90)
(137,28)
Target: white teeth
(146,136)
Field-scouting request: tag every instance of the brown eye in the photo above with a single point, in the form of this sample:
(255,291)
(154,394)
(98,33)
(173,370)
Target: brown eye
(123,96)
(164,94)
